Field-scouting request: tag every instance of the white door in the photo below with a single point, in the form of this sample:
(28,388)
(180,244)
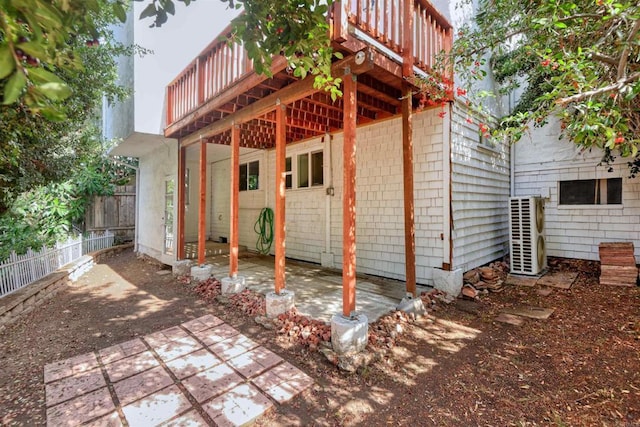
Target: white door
(169,190)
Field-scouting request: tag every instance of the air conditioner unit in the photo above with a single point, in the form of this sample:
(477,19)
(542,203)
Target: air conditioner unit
(526,235)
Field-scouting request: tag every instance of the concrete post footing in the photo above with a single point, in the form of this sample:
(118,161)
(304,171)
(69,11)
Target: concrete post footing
(448,281)
(200,273)
(182,267)
(232,285)
(349,334)
(410,305)
(278,304)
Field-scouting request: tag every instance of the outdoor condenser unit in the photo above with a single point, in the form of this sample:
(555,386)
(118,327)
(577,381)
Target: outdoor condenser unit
(526,235)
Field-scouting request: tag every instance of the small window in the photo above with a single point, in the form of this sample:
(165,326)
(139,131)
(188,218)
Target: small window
(303,170)
(288,178)
(591,192)
(311,169)
(317,168)
(250,176)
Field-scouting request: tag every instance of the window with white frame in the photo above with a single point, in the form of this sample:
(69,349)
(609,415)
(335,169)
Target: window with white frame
(604,191)
(310,169)
(250,176)
(288,172)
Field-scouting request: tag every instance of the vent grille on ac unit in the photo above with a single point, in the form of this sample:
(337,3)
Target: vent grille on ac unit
(526,228)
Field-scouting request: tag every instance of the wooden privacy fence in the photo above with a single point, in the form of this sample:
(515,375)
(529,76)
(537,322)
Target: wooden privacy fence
(115,213)
(20,270)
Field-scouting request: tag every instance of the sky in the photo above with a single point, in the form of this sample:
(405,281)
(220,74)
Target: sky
(175,45)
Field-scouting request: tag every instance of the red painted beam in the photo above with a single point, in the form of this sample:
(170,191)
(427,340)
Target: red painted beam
(235,188)
(281,141)
(349,196)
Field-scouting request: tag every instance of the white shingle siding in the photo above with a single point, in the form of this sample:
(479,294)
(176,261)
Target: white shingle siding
(480,193)
(575,231)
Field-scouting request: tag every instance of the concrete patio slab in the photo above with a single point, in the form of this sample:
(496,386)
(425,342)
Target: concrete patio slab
(227,379)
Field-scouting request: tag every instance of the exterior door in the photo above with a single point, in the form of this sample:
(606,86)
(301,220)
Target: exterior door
(169,190)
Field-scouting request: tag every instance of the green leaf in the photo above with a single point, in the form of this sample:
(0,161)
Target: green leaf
(169,7)
(55,91)
(119,11)
(35,49)
(14,87)
(41,76)
(7,63)
(53,114)
(149,11)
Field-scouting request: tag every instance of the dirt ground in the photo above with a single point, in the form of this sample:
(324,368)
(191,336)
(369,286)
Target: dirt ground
(455,367)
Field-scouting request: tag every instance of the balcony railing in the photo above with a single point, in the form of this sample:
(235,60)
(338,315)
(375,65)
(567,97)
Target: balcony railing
(219,66)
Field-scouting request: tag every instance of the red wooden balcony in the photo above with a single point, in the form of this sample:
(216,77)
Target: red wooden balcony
(221,81)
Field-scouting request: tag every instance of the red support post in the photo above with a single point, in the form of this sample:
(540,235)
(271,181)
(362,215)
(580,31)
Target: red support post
(349,196)
(235,188)
(407,151)
(202,207)
(281,144)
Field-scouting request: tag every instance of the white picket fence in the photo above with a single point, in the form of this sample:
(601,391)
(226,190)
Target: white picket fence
(20,270)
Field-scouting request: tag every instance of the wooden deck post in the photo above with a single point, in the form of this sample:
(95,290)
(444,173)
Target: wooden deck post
(202,207)
(407,151)
(182,172)
(233,212)
(281,141)
(349,196)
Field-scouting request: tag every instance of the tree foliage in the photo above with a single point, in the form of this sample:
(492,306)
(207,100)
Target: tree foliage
(45,138)
(578,60)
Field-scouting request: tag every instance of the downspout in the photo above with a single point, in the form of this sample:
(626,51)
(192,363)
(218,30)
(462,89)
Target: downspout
(136,215)
(329,193)
(447,219)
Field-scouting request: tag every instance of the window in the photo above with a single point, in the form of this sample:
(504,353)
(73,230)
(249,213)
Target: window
(310,169)
(591,192)
(288,173)
(187,186)
(250,176)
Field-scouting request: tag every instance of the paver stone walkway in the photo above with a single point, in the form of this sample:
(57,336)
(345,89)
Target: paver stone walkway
(201,373)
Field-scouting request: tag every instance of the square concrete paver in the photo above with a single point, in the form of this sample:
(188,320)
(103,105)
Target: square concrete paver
(238,407)
(192,363)
(73,386)
(122,350)
(212,382)
(109,420)
(130,366)
(283,382)
(81,409)
(202,323)
(75,365)
(176,349)
(190,419)
(233,347)
(140,385)
(217,334)
(166,336)
(157,408)
(254,362)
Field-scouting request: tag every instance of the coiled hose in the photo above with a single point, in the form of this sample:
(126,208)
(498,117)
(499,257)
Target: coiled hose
(264,228)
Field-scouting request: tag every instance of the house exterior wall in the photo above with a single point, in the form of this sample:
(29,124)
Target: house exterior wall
(154,168)
(541,161)
(480,177)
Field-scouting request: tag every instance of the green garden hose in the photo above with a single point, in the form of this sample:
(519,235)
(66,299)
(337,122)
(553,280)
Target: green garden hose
(264,228)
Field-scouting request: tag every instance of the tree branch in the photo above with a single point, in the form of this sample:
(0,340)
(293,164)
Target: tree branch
(580,16)
(616,86)
(624,56)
